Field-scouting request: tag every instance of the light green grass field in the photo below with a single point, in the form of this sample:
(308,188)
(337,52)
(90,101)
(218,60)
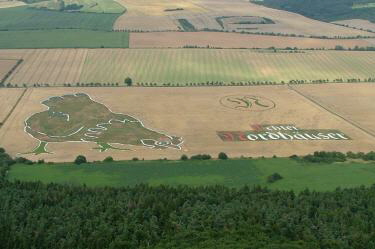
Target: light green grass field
(61,38)
(24,18)
(232,173)
(89,6)
(226,65)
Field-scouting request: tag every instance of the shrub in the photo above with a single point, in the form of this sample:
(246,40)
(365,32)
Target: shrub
(128,81)
(108,159)
(222,156)
(274,177)
(2,150)
(184,157)
(135,159)
(80,159)
(23,160)
(200,157)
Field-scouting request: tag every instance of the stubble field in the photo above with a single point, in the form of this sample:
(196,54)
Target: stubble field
(149,15)
(196,115)
(353,102)
(184,66)
(8,98)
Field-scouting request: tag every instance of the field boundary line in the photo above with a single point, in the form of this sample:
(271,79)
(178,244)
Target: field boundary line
(332,112)
(13,108)
(11,71)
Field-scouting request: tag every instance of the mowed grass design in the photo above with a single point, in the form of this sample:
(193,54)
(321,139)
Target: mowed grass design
(232,173)
(226,65)
(63,38)
(24,18)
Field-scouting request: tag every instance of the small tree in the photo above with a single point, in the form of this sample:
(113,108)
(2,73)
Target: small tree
(274,177)
(108,159)
(222,156)
(128,81)
(184,157)
(80,159)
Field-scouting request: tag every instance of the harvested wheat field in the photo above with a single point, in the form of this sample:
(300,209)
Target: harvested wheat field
(163,15)
(353,102)
(48,66)
(6,66)
(8,98)
(155,123)
(235,40)
(358,23)
(285,22)
(146,15)
(56,67)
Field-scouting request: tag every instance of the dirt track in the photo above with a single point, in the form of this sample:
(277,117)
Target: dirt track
(196,115)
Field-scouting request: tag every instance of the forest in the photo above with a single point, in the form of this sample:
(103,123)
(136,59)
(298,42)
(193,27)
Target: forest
(325,10)
(37,215)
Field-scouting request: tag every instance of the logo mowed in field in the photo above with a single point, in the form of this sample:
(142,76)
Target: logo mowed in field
(247,103)
(281,132)
(78,118)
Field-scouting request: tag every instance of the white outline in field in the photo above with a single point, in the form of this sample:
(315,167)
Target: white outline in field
(101,127)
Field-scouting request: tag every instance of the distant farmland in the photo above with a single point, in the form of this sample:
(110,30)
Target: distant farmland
(185,66)
(23,18)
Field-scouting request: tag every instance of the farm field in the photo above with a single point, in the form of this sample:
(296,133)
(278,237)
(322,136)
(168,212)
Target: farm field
(149,15)
(5,66)
(8,98)
(358,23)
(87,6)
(63,39)
(349,101)
(202,118)
(23,18)
(232,173)
(185,66)
(10,4)
(235,40)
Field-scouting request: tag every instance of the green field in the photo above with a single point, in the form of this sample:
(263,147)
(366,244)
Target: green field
(232,173)
(63,39)
(90,6)
(24,18)
(185,66)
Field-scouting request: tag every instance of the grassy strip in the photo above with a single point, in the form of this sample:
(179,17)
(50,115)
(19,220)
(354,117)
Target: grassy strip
(186,25)
(233,173)
(63,39)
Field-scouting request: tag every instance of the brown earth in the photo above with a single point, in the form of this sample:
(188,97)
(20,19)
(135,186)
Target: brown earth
(235,40)
(196,115)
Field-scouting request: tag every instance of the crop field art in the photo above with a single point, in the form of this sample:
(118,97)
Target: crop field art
(57,124)
(185,67)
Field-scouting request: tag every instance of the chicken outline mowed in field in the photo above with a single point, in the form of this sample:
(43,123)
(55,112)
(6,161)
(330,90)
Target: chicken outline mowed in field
(78,118)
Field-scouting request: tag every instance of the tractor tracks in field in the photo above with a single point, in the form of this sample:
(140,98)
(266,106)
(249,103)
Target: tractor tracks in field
(332,112)
(13,108)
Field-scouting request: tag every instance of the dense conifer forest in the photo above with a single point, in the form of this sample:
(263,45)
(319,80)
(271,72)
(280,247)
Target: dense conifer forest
(326,10)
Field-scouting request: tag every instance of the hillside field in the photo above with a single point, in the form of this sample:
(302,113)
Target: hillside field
(204,119)
(63,38)
(185,66)
(23,18)
(232,173)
